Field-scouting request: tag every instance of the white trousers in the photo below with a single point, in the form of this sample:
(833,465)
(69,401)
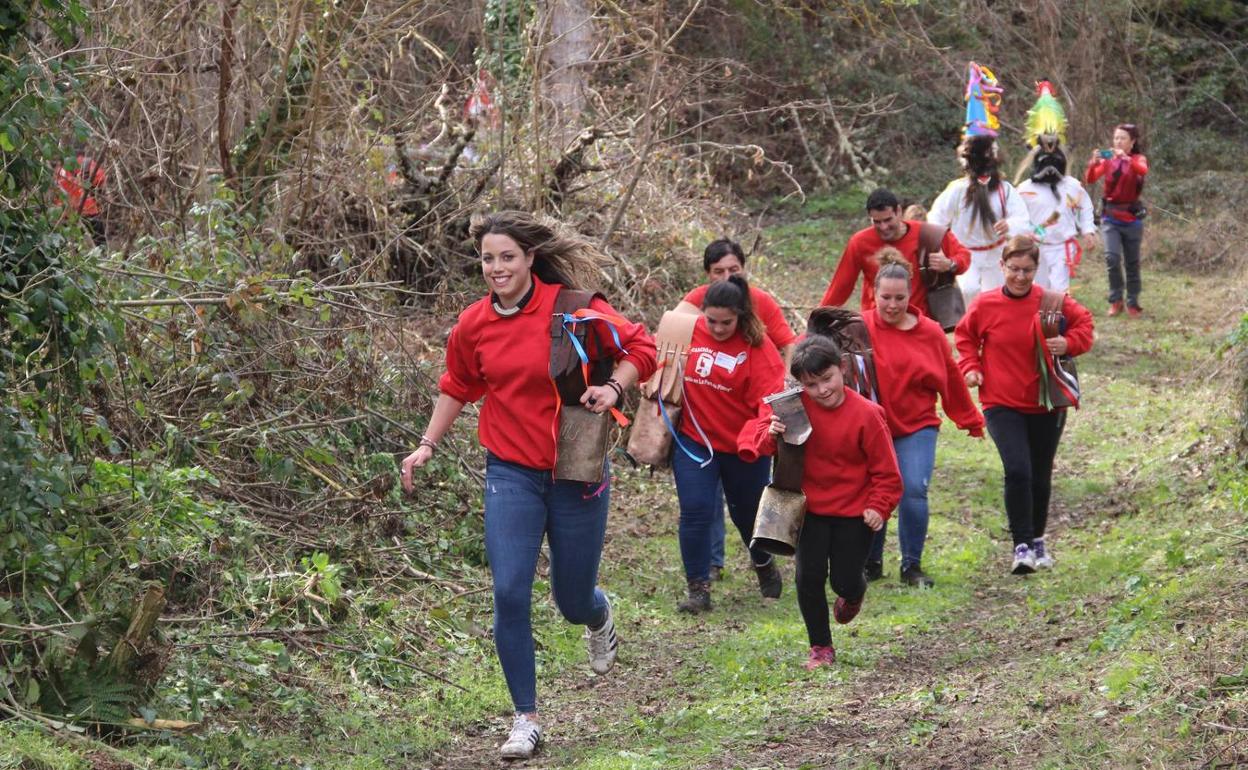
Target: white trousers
(1053,273)
(984,274)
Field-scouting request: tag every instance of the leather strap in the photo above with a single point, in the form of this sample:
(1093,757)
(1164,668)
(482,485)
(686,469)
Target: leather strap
(565,365)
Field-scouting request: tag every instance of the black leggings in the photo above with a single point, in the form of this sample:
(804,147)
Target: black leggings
(1027,444)
(834,545)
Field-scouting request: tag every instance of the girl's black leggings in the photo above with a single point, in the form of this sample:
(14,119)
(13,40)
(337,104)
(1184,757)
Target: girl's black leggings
(834,546)
(1027,444)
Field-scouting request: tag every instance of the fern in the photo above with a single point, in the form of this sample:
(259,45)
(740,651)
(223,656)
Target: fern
(97,698)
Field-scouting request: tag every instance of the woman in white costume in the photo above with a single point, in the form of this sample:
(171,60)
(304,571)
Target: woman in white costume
(983,211)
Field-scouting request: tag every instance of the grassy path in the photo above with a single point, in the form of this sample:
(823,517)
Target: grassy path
(1133,652)
(1130,653)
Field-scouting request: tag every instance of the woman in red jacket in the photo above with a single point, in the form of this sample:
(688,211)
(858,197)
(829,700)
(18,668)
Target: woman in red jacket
(1122,216)
(851,483)
(501,350)
(999,352)
(914,365)
(732,365)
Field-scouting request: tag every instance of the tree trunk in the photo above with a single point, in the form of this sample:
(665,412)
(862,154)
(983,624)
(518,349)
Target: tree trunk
(568,53)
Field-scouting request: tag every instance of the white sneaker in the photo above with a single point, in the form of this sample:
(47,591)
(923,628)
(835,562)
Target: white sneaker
(1024,560)
(1044,560)
(602,644)
(526,736)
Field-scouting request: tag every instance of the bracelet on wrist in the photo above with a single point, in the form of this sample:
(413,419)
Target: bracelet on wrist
(617,387)
(426,441)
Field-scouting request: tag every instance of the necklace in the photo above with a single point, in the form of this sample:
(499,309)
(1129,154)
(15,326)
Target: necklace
(510,311)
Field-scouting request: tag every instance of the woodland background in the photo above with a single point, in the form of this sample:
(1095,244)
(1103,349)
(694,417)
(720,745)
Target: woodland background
(201,419)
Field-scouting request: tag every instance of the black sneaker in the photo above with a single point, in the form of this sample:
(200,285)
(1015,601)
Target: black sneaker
(915,577)
(770,584)
(874,570)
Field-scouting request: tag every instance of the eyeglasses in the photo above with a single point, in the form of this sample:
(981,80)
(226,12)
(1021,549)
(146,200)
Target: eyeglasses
(1018,270)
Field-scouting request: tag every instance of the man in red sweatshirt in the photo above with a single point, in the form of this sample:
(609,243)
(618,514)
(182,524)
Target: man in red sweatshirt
(889,229)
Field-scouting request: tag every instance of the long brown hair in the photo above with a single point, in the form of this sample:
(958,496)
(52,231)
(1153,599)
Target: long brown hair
(559,255)
(979,159)
(734,294)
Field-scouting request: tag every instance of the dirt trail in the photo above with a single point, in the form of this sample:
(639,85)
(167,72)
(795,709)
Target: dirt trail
(949,696)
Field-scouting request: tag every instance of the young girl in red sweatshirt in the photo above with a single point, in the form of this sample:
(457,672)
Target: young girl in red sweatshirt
(851,482)
(731,366)
(500,350)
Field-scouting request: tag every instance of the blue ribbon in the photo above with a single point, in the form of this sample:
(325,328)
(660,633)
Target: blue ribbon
(702,463)
(568,318)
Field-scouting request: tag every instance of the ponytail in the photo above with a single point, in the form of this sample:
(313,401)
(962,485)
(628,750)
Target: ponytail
(734,294)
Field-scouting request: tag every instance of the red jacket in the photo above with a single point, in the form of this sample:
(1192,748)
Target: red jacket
(998,337)
(765,307)
(82,200)
(850,463)
(913,367)
(1124,179)
(724,385)
(860,257)
(506,359)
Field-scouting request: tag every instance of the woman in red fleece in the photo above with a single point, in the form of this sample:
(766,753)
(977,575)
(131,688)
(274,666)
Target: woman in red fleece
(501,350)
(851,483)
(732,365)
(1123,168)
(914,365)
(999,352)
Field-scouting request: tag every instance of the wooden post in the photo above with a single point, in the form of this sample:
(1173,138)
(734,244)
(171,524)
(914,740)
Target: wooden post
(146,612)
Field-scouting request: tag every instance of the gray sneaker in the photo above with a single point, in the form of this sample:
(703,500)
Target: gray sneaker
(526,736)
(1044,559)
(1024,560)
(602,644)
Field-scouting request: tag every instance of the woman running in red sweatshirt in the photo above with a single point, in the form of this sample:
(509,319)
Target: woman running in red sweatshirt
(732,365)
(500,350)
(914,365)
(851,483)
(999,352)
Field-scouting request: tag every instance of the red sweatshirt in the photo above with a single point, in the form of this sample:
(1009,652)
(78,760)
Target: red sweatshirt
(914,366)
(859,257)
(998,336)
(506,359)
(765,307)
(850,463)
(1124,178)
(724,385)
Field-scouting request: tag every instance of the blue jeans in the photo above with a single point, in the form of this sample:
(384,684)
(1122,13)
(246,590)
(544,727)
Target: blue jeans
(718,532)
(698,490)
(521,506)
(1122,252)
(916,456)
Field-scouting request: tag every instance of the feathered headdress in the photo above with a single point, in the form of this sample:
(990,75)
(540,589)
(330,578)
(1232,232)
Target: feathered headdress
(1046,117)
(1045,133)
(983,102)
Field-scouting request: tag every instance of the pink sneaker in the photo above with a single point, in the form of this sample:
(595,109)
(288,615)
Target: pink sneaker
(820,656)
(844,612)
